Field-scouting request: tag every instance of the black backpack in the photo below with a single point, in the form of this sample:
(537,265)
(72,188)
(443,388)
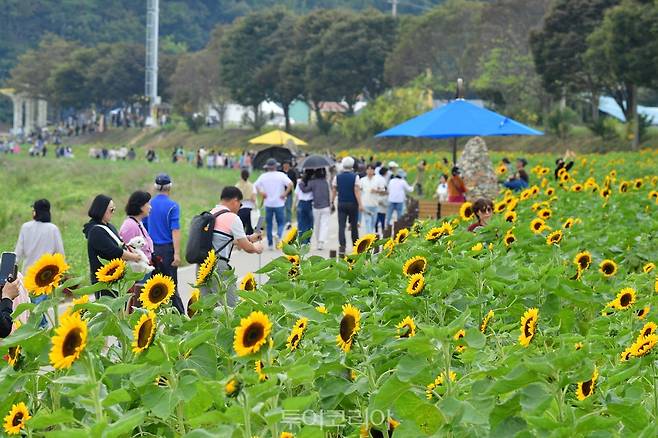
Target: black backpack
(199,242)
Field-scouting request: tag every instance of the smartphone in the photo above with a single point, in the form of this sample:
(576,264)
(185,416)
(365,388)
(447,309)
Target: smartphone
(7,267)
(260,224)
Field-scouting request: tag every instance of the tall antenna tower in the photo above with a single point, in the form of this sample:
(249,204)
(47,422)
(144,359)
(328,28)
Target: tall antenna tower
(152,33)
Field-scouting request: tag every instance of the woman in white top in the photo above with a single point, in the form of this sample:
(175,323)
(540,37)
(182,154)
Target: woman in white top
(36,238)
(442,188)
(248,201)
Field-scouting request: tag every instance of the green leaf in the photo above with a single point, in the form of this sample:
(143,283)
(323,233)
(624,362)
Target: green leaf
(475,339)
(301,374)
(124,368)
(117,396)
(299,403)
(44,418)
(633,416)
(388,393)
(68,433)
(424,415)
(126,423)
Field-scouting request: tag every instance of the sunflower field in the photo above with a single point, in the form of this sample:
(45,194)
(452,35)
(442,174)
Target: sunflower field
(542,323)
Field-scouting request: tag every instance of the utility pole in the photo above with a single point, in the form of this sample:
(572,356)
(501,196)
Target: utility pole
(394,7)
(151,82)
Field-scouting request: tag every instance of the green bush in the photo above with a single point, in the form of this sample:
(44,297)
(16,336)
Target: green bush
(604,127)
(560,121)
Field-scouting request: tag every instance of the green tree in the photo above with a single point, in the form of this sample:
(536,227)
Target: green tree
(623,54)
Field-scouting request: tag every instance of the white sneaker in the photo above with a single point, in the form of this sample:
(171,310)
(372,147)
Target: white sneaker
(276,240)
(320,246)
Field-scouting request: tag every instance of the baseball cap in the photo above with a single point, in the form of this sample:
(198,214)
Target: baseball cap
(271,162)
(392,164)
(163,179)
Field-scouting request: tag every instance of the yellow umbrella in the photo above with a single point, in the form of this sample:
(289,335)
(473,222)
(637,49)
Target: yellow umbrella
(277,137)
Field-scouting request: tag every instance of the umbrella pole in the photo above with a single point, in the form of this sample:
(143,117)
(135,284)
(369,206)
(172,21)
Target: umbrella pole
(454,150)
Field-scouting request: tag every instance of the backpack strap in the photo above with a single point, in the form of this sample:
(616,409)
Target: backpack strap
(114,237)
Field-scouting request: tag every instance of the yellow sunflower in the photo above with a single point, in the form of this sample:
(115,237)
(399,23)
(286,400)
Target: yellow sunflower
(294,259)
(585,389)
(157,291)
(294,338)
(349,327)
(232,387)
(648,268)
(544,213)
(84,299)
(45,274)
(111,271)
(290,236)
(653,195)
(578,345)
(416,284)
(415,265)
(512,203)
(321,309)
(401,236)
(568,223)
(485,321)
(16,419)
(143,332)
(434,234)
(466,211)
(554,238)
(501,169)
(605,192)
(69,341)
(477,247)
(194,297)
(550,191)
(161,381)
(363,244)
(510,216)
(258,367)
(509,238)
(608,268)
(648,329)
(286,435)
(623,187)
(457,337)
(14,355)
(206,268)
(577,188)
(406,328)
(301,323)
(625,299)
(248,282)
(583,260)
(252,333)
(637,184)
(438,381)
(644,345)
(389,246)
(537,225)
(528,326)
(499,207)
(643,312)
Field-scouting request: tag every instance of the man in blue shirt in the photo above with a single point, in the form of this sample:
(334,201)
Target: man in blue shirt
(348,190)
(163,225)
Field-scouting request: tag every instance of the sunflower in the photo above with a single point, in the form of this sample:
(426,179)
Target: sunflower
(544,213)
(528,326)
(290,237)
(653,195)
(510,216)
(416,284)
(415,265)
(568,223)
(643,312)
(251,334)
(45,274)
(554,238)
(69,341)
(194,297)
(349,327)
(582,260)
(648,268)
(564,178)
(608,268)
(157,291)
(143,332)
(637,184)
(161,381)
(293,272)
(363,244)
(16,419)
(605,192)
(84,299)
(626,354)
(509,238)
(644,345)
(585,389)
(232,387)
(477,247)
(500,207)
(550,191)
(623,187)
(466,211)
(294,259)
(537,225)
(14,355)
(258,367)
(438,381)
(578,345)
(406,328)
(485,321)
(577,188)
(206,268)
(458,336)
(248,282)
(648,329)
(434,234)
(625,299)
(296,333)
(501,169)
(321,309)
(512,203)
(401,236)
(111,271)
(286,435)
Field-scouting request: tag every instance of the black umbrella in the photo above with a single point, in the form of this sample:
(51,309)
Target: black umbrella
(316,162)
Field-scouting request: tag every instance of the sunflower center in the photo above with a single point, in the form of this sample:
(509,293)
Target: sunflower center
(416,267)
(72,342)
(468,212)
(607,268)
(157,293)
(347,326)
(46,275)
(251,285)
(18,419)
(527,328)
(111,271)
(362,246)
(144,333)
(587,388)
(13,352)
(294,340)
(583,262)
(415,285)
(253,334)
(407,333)
(625,300)
(648,331)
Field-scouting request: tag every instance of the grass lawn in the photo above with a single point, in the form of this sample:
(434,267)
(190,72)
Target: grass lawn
(71,184)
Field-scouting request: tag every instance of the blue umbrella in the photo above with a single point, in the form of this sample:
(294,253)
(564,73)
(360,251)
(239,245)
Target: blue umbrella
(459,118)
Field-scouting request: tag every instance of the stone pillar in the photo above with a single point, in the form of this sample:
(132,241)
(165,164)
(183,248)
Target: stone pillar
(477,171)
(28,127)
(42,113)
(18,114)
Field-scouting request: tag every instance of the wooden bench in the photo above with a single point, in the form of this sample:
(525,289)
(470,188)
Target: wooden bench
(428,209)
(449,208)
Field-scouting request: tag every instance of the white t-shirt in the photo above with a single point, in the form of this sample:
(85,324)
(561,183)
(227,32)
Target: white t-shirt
(301,196)
(274,185)
(229,224)
(368,196)
(398,189)
(442,192)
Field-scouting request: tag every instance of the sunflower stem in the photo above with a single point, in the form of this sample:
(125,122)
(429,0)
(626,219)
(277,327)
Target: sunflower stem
(96,391)
(245,411)
(655,390)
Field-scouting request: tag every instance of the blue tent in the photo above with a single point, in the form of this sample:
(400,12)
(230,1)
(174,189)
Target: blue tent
(459,118)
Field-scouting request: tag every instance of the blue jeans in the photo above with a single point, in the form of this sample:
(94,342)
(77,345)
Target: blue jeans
(289,208)
(394,206)
(280,214)
(37,300)
(370,216)
(516,184)
(304,218)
